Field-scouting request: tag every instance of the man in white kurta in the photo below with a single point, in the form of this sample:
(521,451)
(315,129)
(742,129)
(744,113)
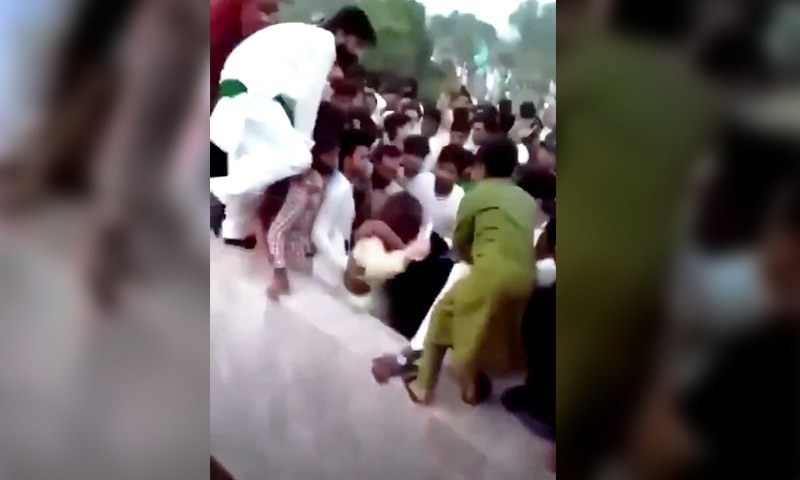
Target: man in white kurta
(270,90)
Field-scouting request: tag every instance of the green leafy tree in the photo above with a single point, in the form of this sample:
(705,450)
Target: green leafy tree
(536,47)
(459,37)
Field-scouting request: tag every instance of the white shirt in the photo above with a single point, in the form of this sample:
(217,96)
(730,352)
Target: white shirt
(523,156)
(444,211)
(422,188)
(437,143)
(332,230)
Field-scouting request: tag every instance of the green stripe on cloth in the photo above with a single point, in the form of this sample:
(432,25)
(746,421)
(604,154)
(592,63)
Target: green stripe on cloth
(288,106)
(231,88)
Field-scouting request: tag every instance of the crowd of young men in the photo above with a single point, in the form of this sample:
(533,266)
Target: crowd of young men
(437,218)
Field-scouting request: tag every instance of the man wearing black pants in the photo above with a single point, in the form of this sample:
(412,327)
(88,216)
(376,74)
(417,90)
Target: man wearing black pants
(537,397)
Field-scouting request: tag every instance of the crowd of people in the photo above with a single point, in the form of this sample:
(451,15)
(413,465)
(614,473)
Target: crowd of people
(437,218)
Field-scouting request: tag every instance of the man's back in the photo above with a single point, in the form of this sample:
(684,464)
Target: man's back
(496,222)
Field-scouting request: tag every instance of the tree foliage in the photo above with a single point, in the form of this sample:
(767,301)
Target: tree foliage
(404,44)
(407,40)
(535,50)
(461,36)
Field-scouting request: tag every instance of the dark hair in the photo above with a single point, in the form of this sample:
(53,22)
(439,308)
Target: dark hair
(527,110)
(393,86)
(385,151)
(350,140)
(549,142)
(411,88)
(416,145)
(507,121)
(499,157)
(506,107)
(460,120)
(433,113)
(324,144)
(394,122)
(489,120)
(458,156)
(353,21)
(539,182)
(360,119)
(344,87)
(345,59)
(410,104)
(402,212)
(330,121)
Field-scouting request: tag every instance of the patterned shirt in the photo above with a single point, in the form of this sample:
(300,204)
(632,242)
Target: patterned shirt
(289,236)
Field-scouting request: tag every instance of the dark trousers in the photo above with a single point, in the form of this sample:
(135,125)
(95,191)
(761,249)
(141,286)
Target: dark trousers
(539,337)
(219,162)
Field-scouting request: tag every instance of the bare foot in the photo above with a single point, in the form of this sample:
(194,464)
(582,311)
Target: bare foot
(279,285)
(275,292)
(477,390)
(418,394)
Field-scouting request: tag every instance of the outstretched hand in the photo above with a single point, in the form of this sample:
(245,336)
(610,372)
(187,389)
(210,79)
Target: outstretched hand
(418,249)
(377,228)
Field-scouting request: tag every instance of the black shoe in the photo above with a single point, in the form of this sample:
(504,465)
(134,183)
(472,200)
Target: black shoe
(248,243)
(515,399)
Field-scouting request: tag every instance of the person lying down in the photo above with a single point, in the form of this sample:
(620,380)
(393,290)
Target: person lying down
(384,247)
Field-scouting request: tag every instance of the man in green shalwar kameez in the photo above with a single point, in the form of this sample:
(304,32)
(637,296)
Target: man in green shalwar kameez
(479,319)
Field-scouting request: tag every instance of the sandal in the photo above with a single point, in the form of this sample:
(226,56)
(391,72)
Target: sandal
(386,367)
(413,396)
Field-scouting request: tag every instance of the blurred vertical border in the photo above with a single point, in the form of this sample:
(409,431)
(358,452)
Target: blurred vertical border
(103,239)
(676,131)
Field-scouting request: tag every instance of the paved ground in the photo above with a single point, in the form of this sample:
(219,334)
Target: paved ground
(292,396)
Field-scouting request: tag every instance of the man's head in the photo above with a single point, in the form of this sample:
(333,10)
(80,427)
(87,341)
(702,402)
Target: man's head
(431,121)
(546,153)
(325,155)
(529,135)
(540,183)
(462,99)
(354,153)
(393,94)
(412,109)
(387,159)
(257,14)
(403,214)
(485,127)
(415,149)
(496,159)
(344,94)
(507,121)
(527,111)
(781,249)
(397,127)
(352,29)
(459,131)
(370,101)
(452,165)
(360,119)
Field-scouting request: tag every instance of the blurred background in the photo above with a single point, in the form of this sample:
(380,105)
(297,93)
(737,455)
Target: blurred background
(677,311)
(677,335)
(501,49)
